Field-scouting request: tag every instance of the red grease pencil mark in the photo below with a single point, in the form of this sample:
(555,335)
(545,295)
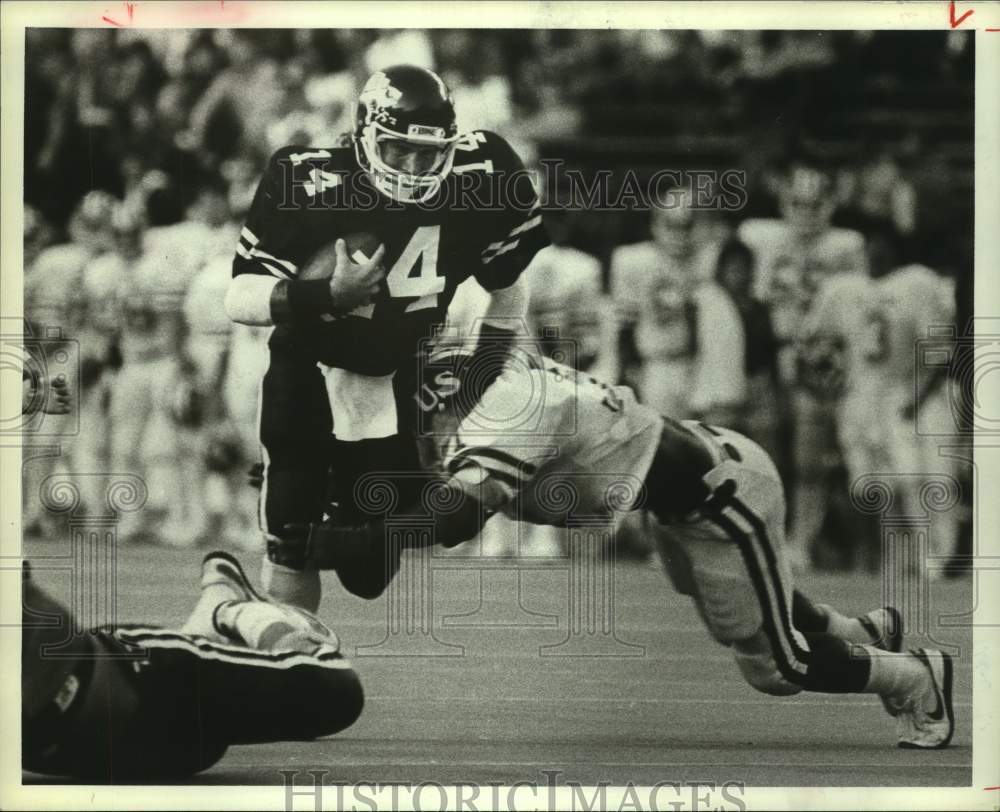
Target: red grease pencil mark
(113,22)
(987,789)
(955,23)
(130,8)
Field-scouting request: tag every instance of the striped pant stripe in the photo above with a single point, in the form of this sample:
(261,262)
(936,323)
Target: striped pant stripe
(152,638)
(771,558)
(787,654)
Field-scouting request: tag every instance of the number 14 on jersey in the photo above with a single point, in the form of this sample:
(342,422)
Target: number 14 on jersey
(414,274)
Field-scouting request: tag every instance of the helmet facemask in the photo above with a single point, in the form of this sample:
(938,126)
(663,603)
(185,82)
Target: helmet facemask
(408,168)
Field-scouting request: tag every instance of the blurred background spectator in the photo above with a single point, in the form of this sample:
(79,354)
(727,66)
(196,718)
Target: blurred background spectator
(170,129)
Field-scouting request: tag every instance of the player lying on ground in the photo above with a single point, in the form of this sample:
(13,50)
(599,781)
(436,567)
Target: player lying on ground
(131,703)
(720,505)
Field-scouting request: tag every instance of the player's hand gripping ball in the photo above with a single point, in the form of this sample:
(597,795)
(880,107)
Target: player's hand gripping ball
(354,267)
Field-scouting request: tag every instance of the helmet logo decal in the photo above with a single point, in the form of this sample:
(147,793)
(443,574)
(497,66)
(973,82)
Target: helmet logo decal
(377,95)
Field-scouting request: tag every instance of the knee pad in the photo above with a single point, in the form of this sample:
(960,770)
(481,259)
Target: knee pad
(757,665)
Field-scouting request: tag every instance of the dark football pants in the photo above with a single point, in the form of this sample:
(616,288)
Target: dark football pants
(307,470)
(167,705)
(295,437)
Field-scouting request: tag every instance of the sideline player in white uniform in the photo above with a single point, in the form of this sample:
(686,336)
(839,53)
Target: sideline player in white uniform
(687,331)
(55,296)
(875,323)
(794,255)
(594,451)
(151,403)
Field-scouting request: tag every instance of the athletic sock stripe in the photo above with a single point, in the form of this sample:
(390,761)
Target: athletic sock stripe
(757,579)
(764,538)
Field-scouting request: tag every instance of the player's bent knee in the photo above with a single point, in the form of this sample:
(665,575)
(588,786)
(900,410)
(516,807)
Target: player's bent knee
(367,587)
(759,668)
(339,700)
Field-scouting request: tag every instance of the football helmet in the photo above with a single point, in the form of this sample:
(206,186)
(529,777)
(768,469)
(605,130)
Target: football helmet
(90,223)
(807,201)
(405,132)
(672,224)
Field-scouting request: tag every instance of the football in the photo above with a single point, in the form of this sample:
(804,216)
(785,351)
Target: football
(360,245)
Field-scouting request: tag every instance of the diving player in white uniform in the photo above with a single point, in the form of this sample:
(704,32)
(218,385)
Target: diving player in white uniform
(591,450)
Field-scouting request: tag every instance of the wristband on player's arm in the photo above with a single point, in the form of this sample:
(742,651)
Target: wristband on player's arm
(300,300)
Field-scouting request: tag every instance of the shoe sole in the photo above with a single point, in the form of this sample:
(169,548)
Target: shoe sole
(946,699)
(239,576)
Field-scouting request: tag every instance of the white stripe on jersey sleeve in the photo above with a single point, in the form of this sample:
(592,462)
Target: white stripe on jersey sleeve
(525,226)
(290,267)
(508,247)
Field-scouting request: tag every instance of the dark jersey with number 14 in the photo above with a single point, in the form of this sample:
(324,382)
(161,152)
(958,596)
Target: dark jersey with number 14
(485,222)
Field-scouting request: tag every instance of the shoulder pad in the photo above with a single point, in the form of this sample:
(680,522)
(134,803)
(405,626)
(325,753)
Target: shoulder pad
(328,158)
(759,229)
(845,239)
(485,151)
(636,252)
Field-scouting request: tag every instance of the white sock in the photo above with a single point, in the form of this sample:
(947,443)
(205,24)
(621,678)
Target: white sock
(260,625)
(298,587)
(896,677)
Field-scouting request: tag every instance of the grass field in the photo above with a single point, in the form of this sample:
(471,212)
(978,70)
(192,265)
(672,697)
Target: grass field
(485,702)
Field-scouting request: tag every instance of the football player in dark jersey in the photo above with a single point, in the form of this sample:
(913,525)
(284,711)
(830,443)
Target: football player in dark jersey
(138,704)
(353,254)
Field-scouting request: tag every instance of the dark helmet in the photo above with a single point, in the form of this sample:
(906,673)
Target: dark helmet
(412,107)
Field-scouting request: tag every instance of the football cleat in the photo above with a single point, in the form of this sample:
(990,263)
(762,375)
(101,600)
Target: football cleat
(222,580)
(222,568)
(926,721)
(307,632)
